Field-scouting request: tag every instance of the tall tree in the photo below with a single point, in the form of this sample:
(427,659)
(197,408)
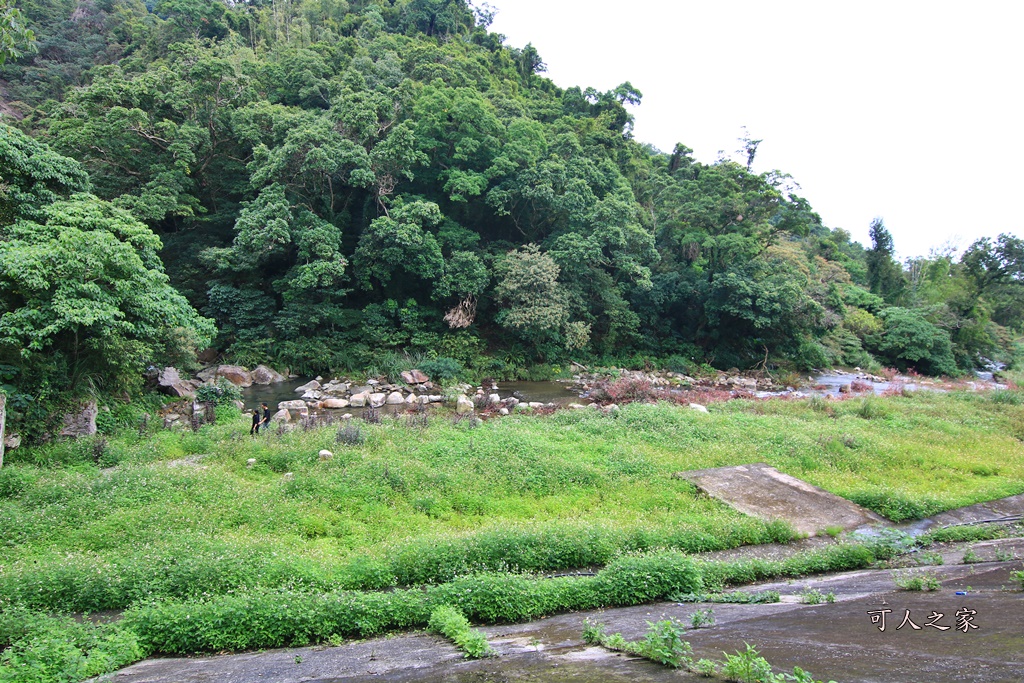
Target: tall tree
(885,275)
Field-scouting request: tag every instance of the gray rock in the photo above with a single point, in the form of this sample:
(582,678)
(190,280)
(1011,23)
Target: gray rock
(336,404)
(463,405)
(207,374)
(82,423)
(12,440)
(235,374)
(394,399)
(250,463)
(264,375)
(291,405)
(170,382)
(281,416)
(415,377)
(377,400)
(411,399)
(365,389)
(326,455)
(494,398)
(312,395)
(503,411)
(359,400)
(308,386)
(698,407)
(536,404)
(373,382)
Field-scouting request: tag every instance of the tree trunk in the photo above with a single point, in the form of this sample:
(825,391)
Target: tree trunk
(3,416)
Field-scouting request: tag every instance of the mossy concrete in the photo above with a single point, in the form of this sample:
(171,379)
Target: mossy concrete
(762,491)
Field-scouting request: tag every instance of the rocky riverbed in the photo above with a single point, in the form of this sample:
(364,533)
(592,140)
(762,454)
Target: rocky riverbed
(295,399)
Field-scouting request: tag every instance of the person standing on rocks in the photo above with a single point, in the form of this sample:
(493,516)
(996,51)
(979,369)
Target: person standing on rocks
(255,429)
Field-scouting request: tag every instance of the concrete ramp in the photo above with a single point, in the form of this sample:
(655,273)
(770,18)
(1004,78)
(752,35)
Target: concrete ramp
(762,491)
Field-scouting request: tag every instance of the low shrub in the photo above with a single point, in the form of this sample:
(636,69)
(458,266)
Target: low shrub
(662,644)
(37,648)
(255,619)
(735,597)
(747,666)
(896,506)
(840,557)
(959,534)
(919,581)
(453,625)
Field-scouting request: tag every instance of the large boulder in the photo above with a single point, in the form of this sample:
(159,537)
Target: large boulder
(377,400)
(169,382)
(414,377)
(395,398)
(12,440)
(235,374)
(82,423)
(207,374)
(264,375)
(291,405)
(281,416)
(336,388)
(335,403)
(463,405)
(308,386)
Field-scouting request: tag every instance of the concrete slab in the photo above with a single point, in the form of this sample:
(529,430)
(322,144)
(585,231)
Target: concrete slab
(762,491)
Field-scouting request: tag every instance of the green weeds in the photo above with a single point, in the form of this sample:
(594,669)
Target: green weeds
(917,581)
(663,644)
(204,551)
(453,625)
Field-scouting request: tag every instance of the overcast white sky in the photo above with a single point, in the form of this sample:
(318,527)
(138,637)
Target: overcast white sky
(902,109)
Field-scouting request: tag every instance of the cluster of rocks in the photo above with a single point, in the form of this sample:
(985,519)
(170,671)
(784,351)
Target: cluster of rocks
(170,382)
(417,390)
(733,380)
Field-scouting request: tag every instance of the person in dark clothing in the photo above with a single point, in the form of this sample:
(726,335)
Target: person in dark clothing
(266,417)
(255,429)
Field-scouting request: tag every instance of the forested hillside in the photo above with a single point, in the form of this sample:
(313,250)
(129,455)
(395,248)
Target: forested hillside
(337,184)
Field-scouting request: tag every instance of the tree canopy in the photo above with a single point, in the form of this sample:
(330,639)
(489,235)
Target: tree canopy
(334,179)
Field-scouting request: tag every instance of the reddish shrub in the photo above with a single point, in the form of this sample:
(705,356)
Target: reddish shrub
(625,390)
(895,388)
(859,385)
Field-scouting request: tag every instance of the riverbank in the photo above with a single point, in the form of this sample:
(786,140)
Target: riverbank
(833,638)
(172,516)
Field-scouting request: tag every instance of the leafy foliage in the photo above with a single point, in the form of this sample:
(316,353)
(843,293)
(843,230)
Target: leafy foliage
(332,181)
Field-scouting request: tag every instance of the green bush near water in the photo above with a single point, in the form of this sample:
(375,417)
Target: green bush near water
(453,625)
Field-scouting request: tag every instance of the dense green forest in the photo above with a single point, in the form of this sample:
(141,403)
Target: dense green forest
(332,185)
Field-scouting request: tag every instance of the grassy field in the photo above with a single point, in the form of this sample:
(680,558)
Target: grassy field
(171,516)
